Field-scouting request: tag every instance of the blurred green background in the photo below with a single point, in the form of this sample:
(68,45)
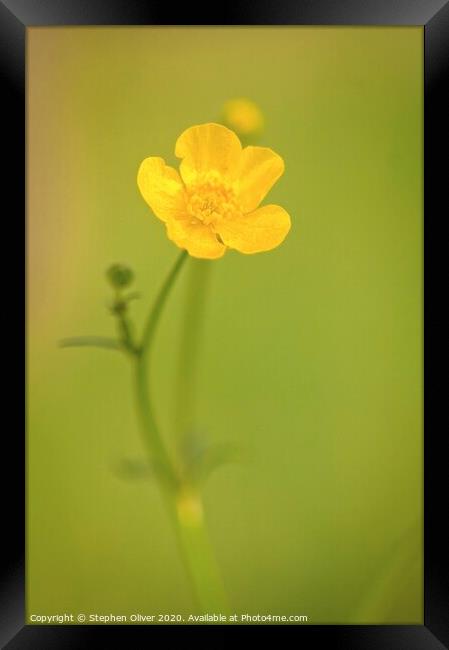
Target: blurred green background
(311,355)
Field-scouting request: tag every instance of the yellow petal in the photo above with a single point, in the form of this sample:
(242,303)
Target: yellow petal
(258,231)
(197,239)
(162,188)
(207,148)
(258,171)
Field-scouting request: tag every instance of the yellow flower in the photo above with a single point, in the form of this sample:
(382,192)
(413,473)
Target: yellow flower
(212,204)
(243,116)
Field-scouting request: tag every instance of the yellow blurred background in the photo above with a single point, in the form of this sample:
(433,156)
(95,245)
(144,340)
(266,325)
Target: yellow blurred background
(311,355)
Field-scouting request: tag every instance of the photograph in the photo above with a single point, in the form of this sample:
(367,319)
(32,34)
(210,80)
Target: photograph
(224,325)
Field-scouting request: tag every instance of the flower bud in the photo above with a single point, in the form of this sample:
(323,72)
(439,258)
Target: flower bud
(120,276)
(243,116)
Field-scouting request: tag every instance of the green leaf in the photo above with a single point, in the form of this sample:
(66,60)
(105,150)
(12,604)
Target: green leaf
(91,341)
(203,460)
(131,469)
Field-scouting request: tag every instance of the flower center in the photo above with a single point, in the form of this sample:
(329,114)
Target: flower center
(211,199)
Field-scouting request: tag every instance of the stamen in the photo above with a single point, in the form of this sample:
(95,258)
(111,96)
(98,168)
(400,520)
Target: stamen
(211,199)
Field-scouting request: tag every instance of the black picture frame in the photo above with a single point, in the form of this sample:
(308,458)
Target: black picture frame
(15,17)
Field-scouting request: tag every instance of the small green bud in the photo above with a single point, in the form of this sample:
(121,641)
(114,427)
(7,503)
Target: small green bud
(119,276)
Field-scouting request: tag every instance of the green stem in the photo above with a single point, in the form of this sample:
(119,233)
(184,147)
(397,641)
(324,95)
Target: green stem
(159,454)
(184,505)
(198,554)
(193,321)
(125,332)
